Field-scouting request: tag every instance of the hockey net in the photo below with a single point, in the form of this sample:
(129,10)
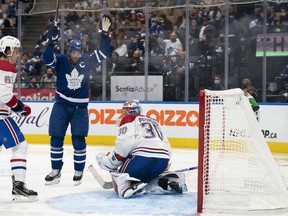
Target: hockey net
(236,170)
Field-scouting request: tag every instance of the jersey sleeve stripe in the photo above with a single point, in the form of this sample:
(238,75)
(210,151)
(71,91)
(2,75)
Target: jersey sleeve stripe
(102,54)
(96,54)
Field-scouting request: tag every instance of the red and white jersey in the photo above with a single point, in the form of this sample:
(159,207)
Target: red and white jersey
(142,136)
(7,79)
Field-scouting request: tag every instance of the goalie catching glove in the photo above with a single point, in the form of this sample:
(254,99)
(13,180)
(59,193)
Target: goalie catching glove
(53,35)
(18,107)
(108,161)
(105,24)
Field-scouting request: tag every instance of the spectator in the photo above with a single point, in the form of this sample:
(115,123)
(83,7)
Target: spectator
(246,85)
(194,46)
(135,44)
(235,28)
(136,63)
(48,80)
(166,24)
(283,18)
(121,48)
(173,46)
(194,28)
(215,16)
(11,9)
(217,85)
(72,17)
(88,46)
(207,29)
(256,23)
(114,64)
(207,45)
(33,83)
(155,29)
(6,26)
(155,48)
(35,66)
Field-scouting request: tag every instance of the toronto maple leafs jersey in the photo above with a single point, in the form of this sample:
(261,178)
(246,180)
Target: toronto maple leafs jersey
(7,79)
(72,84)
(142,136)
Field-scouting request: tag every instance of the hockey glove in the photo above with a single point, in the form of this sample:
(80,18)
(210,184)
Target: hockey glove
(53,35)
(18,107)
(108,162)
(99,157)
(105,25)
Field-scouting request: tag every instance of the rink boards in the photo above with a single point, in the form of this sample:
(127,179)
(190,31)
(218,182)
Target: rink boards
(179,121)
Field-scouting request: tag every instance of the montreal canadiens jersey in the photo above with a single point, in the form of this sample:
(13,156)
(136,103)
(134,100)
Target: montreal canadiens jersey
(142,136)
(7,80)
(72,86)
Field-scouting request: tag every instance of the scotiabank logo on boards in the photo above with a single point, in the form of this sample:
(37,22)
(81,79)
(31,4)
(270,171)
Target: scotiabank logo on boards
(164,117)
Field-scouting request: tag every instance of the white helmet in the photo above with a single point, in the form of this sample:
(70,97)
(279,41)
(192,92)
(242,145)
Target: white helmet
(9,41)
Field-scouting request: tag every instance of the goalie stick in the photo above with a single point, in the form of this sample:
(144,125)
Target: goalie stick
(187,169)
(109,185)
(100,180)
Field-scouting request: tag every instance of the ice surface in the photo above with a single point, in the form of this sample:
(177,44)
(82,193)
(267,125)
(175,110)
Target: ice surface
(89,198)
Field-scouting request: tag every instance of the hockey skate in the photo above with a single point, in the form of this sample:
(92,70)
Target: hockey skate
(21,194)
(171,182)
(77,178)
(177,187)
(53,177)
(135,188)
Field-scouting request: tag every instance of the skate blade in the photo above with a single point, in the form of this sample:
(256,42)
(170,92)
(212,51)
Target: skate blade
(140,190)
(22,199)
(76,183)
(56,181)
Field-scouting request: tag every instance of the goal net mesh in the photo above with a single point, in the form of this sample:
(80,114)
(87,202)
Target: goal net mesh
(237,170)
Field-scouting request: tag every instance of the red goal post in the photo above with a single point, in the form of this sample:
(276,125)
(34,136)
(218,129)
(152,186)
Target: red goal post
(236,170)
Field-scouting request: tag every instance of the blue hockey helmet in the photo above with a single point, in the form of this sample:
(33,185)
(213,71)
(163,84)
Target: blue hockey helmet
(75,45)
(131,107)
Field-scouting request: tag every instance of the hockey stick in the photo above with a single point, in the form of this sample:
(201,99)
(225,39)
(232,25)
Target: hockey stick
(56,13)
(100,180)
(108,185)
(187,169)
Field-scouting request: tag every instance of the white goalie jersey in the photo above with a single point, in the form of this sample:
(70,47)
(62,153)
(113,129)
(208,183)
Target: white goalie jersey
(142,136)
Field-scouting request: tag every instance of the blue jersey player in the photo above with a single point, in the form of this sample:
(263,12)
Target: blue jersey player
(72,97)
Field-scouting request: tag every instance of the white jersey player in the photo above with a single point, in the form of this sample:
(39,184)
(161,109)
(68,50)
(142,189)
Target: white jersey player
(10,134)
(142,153)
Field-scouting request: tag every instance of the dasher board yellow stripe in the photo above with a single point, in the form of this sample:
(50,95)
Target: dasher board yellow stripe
(275,147)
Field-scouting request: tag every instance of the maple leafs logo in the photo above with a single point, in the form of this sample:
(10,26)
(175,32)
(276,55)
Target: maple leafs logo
(74,81)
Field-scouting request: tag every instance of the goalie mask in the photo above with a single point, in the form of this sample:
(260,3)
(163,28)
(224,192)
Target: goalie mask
(131,107)
(9,42)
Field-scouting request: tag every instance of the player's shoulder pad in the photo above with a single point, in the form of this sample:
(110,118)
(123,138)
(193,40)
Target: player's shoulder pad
(128,119)
(6,66)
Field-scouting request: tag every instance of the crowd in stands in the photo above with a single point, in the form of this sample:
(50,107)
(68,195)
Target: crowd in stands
(166,43)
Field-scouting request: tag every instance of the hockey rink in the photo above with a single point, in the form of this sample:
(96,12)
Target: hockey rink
(90,199)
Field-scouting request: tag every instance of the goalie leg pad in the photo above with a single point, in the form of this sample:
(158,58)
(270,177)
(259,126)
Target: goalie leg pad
(168,182)
(126,186)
